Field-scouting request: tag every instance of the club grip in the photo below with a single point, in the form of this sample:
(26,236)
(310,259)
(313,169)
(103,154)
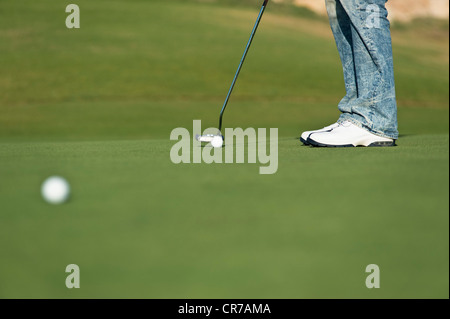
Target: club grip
(265,2)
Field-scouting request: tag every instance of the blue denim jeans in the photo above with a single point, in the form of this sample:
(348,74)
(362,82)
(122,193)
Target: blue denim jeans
(362,33)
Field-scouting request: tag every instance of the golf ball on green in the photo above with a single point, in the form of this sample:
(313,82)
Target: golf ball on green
(55,190)
(217,141)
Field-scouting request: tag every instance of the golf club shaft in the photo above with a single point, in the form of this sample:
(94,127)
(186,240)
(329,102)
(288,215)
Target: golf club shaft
(261,12)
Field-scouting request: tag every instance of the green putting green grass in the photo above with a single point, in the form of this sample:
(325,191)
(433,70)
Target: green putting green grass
(97,105)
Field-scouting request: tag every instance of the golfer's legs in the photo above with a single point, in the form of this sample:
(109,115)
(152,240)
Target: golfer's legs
(375,107)
(341,27)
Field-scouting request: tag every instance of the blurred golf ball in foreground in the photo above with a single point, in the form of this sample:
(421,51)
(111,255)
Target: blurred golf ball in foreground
(55,190)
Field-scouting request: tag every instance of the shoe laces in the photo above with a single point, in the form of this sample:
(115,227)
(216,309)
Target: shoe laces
(345,123)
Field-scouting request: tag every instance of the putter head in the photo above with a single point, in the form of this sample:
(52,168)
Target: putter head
(205,138)
(213,140)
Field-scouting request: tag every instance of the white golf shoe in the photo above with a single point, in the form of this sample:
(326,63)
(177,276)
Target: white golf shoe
(305,135)
(347,134)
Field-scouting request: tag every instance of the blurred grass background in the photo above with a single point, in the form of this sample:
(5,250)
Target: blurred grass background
(97,105)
